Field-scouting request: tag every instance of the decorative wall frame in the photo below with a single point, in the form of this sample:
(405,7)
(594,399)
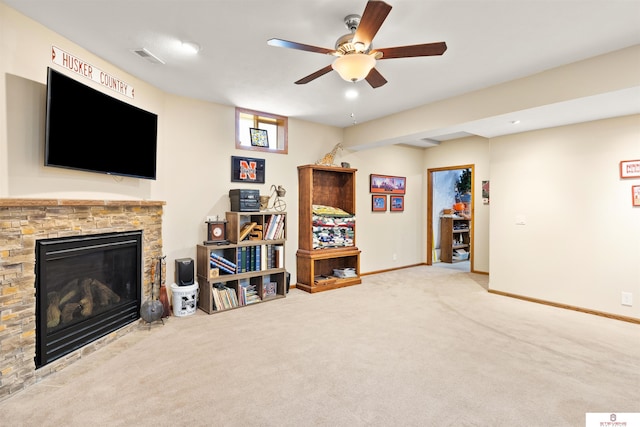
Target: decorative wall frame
(379,202)
(485,192)
(635,195)
(247,169)
(259,137)
(387,184)
(397,203)
(630,169)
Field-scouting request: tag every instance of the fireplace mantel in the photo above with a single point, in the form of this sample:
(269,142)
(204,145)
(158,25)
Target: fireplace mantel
(23,221)
(19,202)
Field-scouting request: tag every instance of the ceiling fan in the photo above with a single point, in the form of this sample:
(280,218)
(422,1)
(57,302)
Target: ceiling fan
(355,56)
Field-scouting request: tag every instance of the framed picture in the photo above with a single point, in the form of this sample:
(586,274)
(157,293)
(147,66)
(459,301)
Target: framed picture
(630,169)
(379,203)
(397,203)
(485,192)
(635,195)
(259,137)
(387,184)
(246,169)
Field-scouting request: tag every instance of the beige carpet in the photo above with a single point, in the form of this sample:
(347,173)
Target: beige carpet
(424,346)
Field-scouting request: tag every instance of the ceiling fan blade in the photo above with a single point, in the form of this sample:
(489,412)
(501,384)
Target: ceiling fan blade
(315,75)
(428,49)
(372,18)
(299,46)
(375,79)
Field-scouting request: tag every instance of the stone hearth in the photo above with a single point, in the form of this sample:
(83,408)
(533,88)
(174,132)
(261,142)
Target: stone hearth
(22,223)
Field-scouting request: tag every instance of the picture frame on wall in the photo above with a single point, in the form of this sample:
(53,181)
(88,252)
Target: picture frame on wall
(379,202)
(635,195)
(247,170)
(397,203)
(630,169)
(387,184)
(259,137)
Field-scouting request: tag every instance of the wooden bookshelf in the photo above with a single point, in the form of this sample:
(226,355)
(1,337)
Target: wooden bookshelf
(256,263)
(455,234)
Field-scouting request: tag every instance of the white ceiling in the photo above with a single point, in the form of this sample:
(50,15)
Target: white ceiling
(489,42)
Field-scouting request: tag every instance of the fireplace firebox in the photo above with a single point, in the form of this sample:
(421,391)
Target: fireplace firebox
(86,287)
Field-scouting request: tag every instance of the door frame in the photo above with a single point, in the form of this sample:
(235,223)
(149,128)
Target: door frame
(430,236)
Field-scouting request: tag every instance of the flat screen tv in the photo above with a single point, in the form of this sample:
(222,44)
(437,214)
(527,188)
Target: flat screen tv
(91,131)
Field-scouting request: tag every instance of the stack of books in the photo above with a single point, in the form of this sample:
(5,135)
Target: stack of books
(224,298)
(226,266)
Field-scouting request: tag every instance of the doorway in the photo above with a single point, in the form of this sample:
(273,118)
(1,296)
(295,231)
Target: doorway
(441,195)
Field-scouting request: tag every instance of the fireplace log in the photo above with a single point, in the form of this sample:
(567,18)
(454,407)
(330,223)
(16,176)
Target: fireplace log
(87,298)
(69,310)
(104,294)
(53,310)
(69,291)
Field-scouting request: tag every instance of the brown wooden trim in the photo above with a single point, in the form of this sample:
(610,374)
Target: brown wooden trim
(430,218)
(392,269)
(569,307)
(70,202)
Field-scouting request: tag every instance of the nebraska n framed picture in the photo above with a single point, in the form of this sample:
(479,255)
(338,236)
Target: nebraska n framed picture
(247,169)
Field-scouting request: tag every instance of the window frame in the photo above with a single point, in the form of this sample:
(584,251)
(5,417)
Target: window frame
(281,123)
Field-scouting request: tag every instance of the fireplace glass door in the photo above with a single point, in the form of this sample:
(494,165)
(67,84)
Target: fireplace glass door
(86,287)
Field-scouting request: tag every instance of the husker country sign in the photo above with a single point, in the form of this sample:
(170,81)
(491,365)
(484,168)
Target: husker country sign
(78,66)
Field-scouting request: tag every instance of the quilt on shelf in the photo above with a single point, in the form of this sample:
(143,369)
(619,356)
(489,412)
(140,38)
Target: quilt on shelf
(332,227)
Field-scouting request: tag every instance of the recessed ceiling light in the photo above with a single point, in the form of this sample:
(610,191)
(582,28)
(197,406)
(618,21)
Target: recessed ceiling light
(351,94)
(515,122)
(190,47)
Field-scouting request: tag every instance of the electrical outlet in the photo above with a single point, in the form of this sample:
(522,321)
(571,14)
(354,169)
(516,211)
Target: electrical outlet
(395,257)
(627,299)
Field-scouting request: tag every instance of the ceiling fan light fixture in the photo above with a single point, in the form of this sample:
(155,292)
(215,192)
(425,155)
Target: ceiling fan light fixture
(354,67)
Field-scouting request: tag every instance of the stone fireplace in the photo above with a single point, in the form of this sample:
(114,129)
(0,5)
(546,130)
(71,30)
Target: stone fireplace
(29,229)
(86,287)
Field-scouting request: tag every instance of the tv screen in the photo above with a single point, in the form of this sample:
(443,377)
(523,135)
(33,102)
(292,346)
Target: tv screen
(91,131)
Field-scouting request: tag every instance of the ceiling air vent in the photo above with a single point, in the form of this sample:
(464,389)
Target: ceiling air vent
(144,53)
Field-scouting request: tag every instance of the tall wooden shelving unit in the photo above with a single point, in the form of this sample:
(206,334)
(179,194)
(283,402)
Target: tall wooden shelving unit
(329,186)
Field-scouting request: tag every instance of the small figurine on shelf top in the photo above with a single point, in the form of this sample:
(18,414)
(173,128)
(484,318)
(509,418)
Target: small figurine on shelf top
(328,158)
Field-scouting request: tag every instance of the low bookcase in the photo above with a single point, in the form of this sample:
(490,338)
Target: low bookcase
(249,268)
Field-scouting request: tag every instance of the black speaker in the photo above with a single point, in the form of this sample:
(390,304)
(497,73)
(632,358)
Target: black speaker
(184,272)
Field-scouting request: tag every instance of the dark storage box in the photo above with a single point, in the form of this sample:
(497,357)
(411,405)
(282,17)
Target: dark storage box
(243,200)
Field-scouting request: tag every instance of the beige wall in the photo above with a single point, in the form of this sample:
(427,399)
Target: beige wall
(580,242)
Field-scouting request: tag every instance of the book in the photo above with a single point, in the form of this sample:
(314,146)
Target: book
(223,260)
(269,229)
(246,229)
(279,257)
(279,231)
(223,267)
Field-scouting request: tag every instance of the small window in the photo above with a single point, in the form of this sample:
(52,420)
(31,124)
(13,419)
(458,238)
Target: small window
(275,127)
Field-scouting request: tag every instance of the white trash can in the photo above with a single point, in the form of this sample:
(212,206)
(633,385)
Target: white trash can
(185,299)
